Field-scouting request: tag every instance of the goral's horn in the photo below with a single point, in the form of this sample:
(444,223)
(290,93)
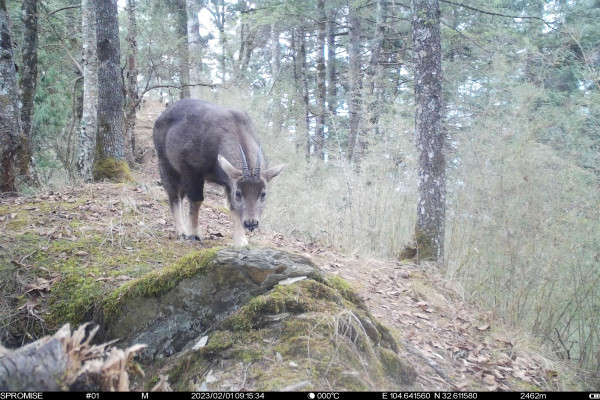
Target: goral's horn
(257,168)
(245,170)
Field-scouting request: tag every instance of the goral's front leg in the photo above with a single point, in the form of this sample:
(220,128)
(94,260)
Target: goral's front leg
(193,231)
(239,235)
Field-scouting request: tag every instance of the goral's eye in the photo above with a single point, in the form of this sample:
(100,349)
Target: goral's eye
(263,195)
(238,195)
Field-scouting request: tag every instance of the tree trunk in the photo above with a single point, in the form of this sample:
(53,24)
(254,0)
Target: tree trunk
(375,69)
(184,50)
(321,109)
(305,97)
(11,137)
(298,108)
(89,125)
(331,66)
(275,70)
(132,99)
(110,150)
(356,142)
(429,130)
(28,81)
(275,52)
(194,41)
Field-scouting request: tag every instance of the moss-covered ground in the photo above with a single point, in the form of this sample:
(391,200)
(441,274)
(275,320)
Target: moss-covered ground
(62,253)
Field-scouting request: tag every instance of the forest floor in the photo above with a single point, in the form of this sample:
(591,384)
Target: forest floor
(453,345)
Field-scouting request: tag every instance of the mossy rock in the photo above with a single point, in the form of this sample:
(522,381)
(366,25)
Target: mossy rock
(260,322)
(316,331)
(170,308)
(306,332)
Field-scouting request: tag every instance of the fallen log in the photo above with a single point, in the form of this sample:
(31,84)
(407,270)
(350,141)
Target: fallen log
(66,361)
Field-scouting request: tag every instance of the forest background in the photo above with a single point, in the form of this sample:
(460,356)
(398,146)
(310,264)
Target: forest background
(329,86)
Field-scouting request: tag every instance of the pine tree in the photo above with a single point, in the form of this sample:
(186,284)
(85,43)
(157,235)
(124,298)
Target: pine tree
(89,119)
(429,130)
(29,71)
(11,137)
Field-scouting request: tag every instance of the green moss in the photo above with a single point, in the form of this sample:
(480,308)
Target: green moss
(150,383)
(158,281)
(394,367)
(72,299)
(190,364)
(17,223)
(249,353)
(345,289)
(218,341)
(425,246)
(112,170)
(304,296)
(350,380)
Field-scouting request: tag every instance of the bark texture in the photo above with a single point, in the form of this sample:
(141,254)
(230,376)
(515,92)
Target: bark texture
(11,137)
(332,101)
(184,50)
(321,109)
(89,124)
(356,142)
(132,86)
(429,130)
(375,69)
(302,66)
(194,40)
(29,70)
(275,70)
(110,150)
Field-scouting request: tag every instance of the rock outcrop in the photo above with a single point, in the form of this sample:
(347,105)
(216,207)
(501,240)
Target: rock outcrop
(271,313)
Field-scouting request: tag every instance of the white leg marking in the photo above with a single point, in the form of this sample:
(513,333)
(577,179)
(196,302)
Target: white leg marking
(239,235)
(193,218)
(184,217)
(177,218)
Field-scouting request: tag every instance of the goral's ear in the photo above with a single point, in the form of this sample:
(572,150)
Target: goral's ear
(272,172)
(231,171)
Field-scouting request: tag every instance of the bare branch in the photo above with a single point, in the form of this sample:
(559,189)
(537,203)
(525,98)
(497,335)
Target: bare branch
(497,14)
(64,8)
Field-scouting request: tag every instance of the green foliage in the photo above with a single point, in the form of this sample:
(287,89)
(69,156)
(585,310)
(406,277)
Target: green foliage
(57,94)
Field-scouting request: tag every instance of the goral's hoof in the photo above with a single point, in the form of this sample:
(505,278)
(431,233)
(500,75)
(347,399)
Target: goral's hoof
(195,238)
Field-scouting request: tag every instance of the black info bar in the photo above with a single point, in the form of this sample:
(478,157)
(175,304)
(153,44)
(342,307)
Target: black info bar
(250,395)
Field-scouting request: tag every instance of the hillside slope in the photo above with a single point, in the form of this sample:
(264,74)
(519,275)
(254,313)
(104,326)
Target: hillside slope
(80,242)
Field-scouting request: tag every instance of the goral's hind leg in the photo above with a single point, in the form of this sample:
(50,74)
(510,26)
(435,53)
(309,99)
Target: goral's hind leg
(177,211)
(193,233)
(171,181)
(194,188)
